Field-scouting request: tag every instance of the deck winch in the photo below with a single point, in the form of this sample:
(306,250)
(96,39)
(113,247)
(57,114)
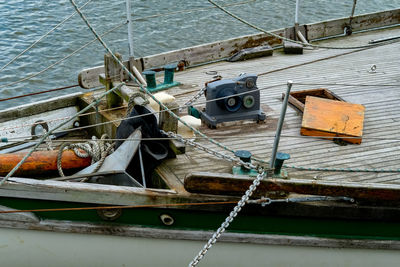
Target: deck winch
(232,100)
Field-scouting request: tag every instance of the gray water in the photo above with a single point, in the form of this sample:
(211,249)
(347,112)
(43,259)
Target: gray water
(159,26)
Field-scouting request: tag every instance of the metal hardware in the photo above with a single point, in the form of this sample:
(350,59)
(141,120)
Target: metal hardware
(232,100)
(109,214)
(280,158)
(245,156)
(373,69)
(141,166)
(280,124)
(264,201)
(168,78)
(167,219)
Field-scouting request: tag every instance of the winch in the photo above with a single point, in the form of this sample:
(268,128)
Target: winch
(232,100)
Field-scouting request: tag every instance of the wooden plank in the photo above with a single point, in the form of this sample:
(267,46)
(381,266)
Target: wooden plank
(225,184)
(298,98)
(113,73)
(325,117)
(361,22)
(99,193)
(89,78)
(39,107)
(21,127)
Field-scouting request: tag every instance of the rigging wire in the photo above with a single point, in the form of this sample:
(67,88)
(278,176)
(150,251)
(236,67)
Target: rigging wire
(61,60)
(51,132)
(38,93)
(198,104)
(19,139)
(190,10)
(42,37)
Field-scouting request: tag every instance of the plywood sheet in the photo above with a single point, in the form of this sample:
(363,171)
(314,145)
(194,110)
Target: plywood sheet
(324,117)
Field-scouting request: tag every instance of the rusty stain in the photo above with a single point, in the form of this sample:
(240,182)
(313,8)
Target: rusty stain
(254,42)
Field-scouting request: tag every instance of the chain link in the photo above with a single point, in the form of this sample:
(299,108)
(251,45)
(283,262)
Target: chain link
(211,151)
(240,204)
(194,98)
(228,219)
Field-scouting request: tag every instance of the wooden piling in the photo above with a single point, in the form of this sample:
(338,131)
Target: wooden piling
(113,73)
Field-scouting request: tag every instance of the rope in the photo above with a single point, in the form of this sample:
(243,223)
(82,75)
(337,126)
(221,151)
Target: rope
(61,60)
(96,149)
(248,193)
(132,77)
(41,38)
(287,39)
(38,93)
(96,102)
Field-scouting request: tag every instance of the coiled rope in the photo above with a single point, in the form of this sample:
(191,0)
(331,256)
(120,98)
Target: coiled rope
(97,149)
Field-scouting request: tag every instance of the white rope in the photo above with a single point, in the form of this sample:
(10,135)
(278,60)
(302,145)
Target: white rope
(97,149)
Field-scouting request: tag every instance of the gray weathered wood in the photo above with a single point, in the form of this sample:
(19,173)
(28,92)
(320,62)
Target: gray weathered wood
(360,22)
(88,78)
(113,73)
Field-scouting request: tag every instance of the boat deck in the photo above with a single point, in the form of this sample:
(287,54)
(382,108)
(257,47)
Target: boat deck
(344,72)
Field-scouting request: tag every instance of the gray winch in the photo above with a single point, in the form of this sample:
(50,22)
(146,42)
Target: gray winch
(235,99)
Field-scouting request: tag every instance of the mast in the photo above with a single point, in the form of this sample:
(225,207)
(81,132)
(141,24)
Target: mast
(130,27)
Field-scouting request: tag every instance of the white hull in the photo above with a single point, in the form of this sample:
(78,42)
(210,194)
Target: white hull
(20,247)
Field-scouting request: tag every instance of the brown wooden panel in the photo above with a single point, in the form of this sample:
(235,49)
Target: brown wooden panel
(324,117)
(227,184)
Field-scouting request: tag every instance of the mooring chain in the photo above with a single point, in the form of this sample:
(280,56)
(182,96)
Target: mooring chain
(194,98)
(211,151)
(228,219)
(239,205)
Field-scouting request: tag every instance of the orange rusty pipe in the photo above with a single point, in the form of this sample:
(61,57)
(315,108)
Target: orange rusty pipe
(41,162)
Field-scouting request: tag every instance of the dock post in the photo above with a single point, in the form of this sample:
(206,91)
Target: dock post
(113,73)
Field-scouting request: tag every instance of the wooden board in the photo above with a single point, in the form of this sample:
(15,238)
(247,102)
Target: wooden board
(298,98)
(325,117)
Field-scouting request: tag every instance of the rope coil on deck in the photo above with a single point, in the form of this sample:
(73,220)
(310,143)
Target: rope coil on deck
(97,149)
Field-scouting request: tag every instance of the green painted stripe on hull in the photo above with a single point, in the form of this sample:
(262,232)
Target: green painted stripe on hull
(203,220)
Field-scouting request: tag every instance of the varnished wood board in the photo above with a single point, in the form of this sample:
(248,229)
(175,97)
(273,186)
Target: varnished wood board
(325,117)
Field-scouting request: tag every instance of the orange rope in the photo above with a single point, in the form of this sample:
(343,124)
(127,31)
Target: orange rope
(123,207)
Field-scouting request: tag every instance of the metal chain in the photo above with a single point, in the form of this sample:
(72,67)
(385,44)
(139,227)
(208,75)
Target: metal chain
(211,151)
(229,219)
(194,98)
(239,205)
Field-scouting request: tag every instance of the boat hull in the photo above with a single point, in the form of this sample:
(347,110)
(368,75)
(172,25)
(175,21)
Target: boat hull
(22,247)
